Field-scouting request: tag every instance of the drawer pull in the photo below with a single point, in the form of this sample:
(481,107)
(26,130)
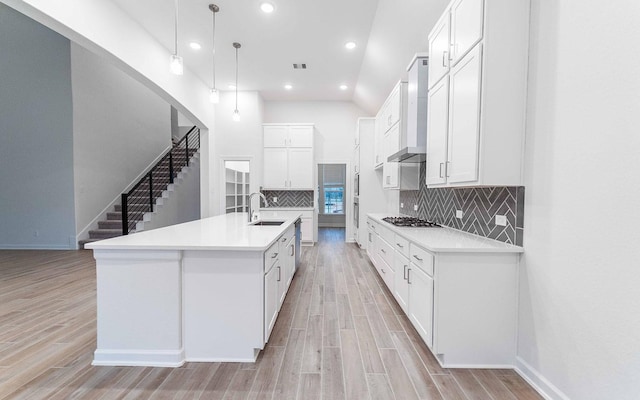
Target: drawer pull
(409,276)
(274,255)
(382,250)
(284,239)
(417,258)
(404,274)
(278,274)
(399,245)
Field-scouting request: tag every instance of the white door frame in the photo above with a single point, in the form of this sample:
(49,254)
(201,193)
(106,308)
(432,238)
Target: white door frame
(348,197)
(222,176)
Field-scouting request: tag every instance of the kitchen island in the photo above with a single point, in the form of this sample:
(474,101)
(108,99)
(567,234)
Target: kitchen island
(203,291)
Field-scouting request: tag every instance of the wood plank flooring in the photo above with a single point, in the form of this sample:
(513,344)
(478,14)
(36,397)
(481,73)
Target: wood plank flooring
(340,335)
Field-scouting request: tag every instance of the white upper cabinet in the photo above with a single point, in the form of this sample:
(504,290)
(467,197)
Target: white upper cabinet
(288,157)
(475,134)
(464,119)
(437,129)
(439,50)
(466,27)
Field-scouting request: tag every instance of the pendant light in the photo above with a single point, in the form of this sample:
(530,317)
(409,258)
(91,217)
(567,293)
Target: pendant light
(214,95)
(236,113)
(176,64)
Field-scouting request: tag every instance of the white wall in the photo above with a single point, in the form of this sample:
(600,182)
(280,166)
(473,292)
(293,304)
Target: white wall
(119,128)
(580,297)
(237,139)
(36,139)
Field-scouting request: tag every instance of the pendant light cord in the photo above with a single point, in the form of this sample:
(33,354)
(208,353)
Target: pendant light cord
(176,26)
(214,49)
(236,78)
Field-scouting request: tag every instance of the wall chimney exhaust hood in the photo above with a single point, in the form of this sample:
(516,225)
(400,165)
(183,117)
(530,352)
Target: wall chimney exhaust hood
(413,140)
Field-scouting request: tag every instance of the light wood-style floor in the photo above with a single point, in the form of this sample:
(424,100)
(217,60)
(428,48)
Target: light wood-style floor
(340,335)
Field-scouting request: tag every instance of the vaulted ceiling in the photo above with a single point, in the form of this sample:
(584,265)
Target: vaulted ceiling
(387,34)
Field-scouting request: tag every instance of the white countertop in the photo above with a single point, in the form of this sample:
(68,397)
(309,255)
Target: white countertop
(223,232)
(448,240)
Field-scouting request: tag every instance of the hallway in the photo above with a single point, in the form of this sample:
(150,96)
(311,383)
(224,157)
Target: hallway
(340,334)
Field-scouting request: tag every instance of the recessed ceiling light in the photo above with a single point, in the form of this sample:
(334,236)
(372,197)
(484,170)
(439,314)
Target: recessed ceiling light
(232,86)
(288,86)
(344,87)
(267,7)
(350,45)
(195,46)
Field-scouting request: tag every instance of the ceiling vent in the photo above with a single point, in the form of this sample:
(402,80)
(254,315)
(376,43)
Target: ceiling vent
(299,66)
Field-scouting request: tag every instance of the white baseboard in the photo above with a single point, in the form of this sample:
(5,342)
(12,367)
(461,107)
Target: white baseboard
(139,358)
(541,384)
(35,247)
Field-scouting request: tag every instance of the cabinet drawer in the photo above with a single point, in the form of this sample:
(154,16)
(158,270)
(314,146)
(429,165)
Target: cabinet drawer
(421,258)
(386,234)
(271,255)
(402,245)
(386,251)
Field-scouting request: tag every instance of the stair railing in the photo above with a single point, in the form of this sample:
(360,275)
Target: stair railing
(141,197)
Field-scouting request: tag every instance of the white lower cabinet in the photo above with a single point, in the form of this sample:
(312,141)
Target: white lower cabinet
(270,300)
(279,262)
(463,304)
(421,302)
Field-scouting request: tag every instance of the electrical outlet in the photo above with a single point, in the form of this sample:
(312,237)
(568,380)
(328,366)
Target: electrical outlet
(415,207)
(401,205)
(275,199)
(459,214)
(501,220)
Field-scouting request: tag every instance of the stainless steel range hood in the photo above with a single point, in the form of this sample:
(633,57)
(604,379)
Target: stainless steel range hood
(413,137)
(409,155)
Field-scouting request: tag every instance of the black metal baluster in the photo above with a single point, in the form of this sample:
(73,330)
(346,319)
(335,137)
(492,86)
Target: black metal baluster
(186,141)
(125,214)
(171,166)
(150,191)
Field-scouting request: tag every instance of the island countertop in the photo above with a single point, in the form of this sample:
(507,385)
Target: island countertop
(223,232)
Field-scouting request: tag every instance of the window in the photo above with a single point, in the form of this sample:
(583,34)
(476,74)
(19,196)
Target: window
(331,178)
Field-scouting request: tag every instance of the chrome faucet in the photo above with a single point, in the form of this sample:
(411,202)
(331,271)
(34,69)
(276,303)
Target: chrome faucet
(250,197)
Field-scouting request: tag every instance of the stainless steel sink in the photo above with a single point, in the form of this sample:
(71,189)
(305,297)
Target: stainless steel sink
(267,223)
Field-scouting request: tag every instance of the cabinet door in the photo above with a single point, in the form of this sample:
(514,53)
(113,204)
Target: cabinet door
(401,287)
(437,128)
(270,301)
(391,141)
(281,279)
(379,132)
(275,136)
(301,168)
(466,27)
(306,229)
(393,107)
(421,303)
(439,50)
(464,118)
(290,256)
(275,168)
(390,173)
(301,136)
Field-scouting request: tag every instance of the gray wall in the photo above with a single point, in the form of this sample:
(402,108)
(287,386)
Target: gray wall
(36,136)
(119,128)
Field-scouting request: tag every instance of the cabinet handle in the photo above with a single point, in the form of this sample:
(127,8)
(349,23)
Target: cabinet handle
(440,174)
(399,245)
(388,179)
(404,273)
(292,250)
(278,274)
(409,276)
(382,269)
(274,255)
(382,250)
(444,54)
(370,237)
(448,168)
(417,258)
(284,239)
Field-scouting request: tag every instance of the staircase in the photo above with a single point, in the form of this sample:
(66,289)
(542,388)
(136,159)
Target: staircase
(141,200)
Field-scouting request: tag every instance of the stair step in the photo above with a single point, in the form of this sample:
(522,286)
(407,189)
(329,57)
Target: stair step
(110,224)
(104,233)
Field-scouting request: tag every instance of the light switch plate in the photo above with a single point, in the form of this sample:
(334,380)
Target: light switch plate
(501,220)
(275,199)
(415,207)
(459,214)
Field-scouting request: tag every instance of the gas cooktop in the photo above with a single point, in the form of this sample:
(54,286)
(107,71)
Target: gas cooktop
(410,222)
